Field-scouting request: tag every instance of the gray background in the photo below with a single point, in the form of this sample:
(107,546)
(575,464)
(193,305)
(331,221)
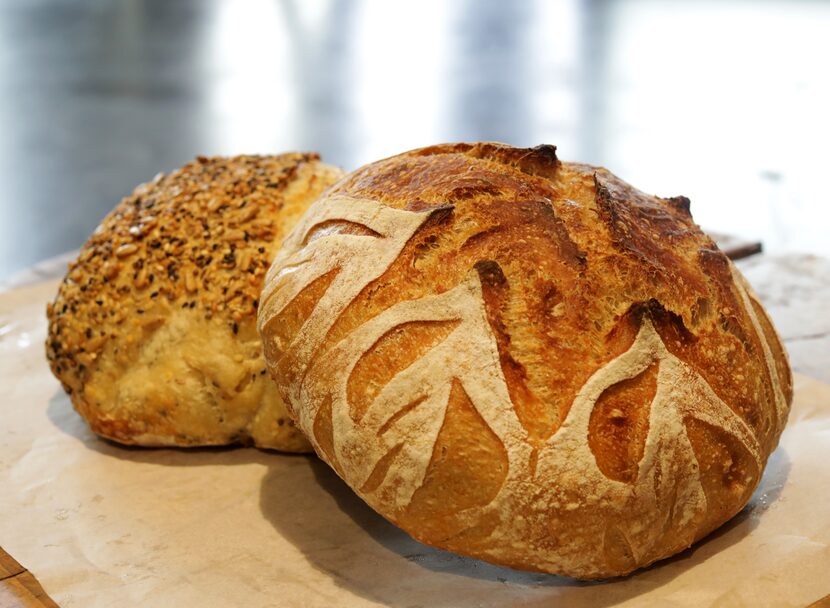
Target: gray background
(725,102)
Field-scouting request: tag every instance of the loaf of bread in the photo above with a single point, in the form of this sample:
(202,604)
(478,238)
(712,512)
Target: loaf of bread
(153,330)
(524,360)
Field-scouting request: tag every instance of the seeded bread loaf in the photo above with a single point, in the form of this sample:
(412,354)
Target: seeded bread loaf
(525,360)
(152,332)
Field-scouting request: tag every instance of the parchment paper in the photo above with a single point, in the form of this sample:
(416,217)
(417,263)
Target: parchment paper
(103,525)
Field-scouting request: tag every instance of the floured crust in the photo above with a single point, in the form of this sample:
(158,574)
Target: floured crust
(152,332)
(523,360)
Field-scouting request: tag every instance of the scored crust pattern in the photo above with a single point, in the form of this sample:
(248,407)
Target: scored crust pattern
(384,453)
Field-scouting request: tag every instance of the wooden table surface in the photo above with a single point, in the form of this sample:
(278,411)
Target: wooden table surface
(795,289)
(18,588)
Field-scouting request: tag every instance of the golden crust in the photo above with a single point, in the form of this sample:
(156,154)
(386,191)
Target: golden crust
(524,360)
(152,332)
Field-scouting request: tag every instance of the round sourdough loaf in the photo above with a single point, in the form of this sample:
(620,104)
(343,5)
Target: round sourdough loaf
(153,330)
(524,360)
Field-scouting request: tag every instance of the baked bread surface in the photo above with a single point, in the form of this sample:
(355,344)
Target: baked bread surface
(524,360)
(153,330)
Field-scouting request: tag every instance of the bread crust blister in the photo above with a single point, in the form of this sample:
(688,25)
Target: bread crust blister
(152,332)
(524,360)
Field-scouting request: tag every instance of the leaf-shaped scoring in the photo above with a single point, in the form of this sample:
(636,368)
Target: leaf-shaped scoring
(358,260)
(469,354)
(667,492)
(668,480)
(782,409)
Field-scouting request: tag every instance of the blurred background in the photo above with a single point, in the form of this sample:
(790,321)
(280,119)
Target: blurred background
(723,101)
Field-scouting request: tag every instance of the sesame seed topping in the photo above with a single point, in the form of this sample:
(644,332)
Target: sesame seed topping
(163,235)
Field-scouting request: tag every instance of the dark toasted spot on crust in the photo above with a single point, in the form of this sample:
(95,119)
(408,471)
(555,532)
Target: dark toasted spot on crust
(491,274)
(681,203)
(439,214)
(550,300)
(540,161)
